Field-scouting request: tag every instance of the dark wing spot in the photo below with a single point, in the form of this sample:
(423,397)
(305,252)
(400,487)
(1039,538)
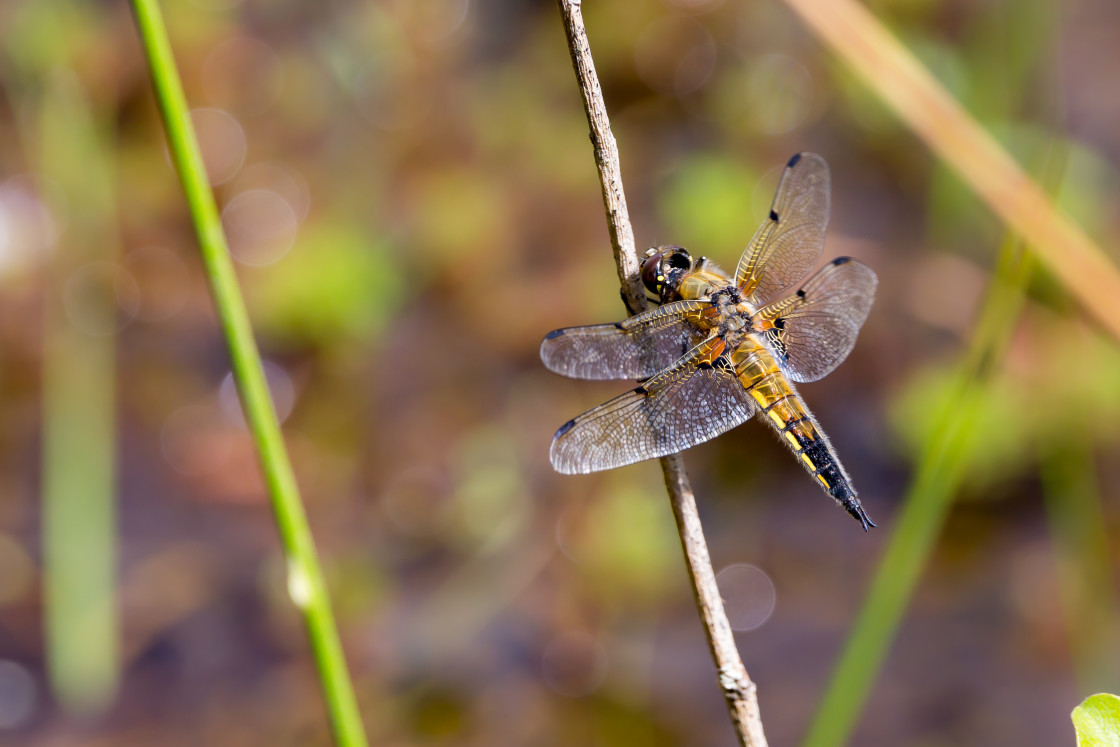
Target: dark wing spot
(554,334)
(565,428)
(793,161)
(773,216)
(704,365)
(618,325)
(800,293)
(780,323)
(641,390)
(841,260)
(779,344)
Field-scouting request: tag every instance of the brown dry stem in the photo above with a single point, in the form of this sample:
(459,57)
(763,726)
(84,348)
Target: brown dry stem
(737,687)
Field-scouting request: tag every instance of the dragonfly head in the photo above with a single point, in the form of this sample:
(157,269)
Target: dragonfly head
(663,269)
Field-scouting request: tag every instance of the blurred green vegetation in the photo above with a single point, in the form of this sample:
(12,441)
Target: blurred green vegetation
(431,209)
(67,142)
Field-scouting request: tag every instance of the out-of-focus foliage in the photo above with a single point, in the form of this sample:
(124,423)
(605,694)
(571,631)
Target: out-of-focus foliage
(1097,721)
(1024,412)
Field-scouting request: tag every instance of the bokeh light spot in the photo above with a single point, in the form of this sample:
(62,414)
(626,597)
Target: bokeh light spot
(163,281)
(27,227)
(439,19)
(280,386)
(417,500)
(261,227)
(574,664)
(675,55)
(222,141)
(383,101)
(101,298)
(748,595)
(244,75)
(779,93)
(17,695)
(279,178)
(194,441)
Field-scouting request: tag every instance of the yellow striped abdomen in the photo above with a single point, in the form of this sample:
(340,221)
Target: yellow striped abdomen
(780,405)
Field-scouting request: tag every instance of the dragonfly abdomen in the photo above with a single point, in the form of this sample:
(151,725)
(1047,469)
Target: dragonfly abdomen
(780,405)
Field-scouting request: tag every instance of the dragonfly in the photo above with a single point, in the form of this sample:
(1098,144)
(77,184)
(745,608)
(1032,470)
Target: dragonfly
(716,350)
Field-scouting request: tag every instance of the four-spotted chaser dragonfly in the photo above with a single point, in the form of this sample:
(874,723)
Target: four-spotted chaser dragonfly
(716,350)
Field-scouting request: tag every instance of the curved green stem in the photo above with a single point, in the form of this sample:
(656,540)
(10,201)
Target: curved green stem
(305,577)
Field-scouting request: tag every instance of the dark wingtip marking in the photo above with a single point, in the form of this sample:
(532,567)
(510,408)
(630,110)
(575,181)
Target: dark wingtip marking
(793,161)
(554,334)
(773,216)
(640,390)
(565,428)
(841,260)
(800,293)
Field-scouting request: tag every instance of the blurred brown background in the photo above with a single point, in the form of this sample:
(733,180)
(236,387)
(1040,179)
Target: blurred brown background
(410,194)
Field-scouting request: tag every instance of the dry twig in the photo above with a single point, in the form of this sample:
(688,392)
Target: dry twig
(742,703)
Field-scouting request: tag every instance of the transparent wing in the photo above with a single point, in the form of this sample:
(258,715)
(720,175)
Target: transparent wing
(637,348)
(789,242)
(813,330)
(695,399)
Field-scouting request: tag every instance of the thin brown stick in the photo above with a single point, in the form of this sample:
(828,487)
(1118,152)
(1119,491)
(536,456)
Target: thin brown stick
(742,703)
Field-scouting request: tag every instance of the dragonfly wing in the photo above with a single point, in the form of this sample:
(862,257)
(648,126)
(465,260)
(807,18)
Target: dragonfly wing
(813,330)
(695,399)
(789,242)
(636,348)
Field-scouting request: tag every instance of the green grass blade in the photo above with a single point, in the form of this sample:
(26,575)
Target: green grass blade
(305,578)
(79,408)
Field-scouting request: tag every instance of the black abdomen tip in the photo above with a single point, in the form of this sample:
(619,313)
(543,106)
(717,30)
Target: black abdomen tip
(841,260)
(793,161)
(861,516)
(554,334)
(846,497)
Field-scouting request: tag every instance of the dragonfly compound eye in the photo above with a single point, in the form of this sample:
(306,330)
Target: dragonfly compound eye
(678,258)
